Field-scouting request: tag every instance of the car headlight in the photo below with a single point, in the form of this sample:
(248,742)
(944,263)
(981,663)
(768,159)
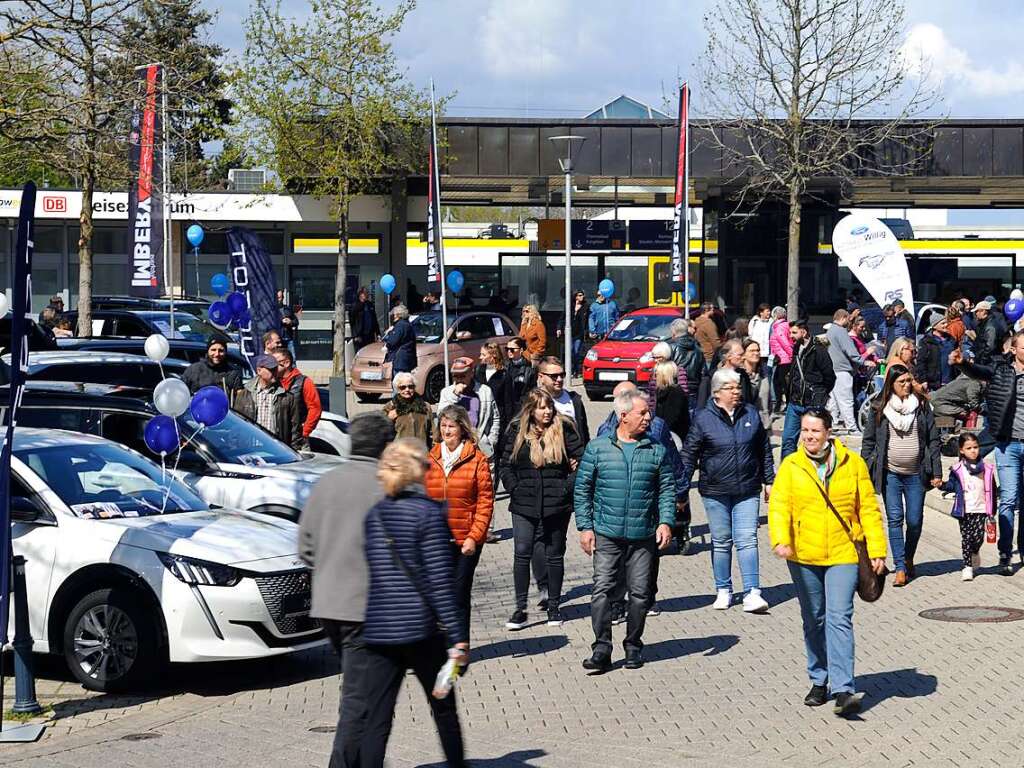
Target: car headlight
(591,355)
(199,572)
(646,357)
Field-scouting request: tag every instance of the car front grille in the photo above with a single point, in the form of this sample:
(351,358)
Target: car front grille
(275,589)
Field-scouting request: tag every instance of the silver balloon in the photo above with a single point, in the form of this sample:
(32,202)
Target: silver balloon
(157,347)
(171,397)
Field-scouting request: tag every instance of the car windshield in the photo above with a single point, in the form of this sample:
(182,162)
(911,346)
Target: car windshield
(238,441)
(643,328)
(427,327)
(100,481)
(185,327)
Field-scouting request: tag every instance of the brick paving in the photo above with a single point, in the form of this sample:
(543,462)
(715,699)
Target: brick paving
(719,687)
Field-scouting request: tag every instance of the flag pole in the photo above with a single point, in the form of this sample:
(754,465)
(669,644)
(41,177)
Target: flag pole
(435,181)
(685,244)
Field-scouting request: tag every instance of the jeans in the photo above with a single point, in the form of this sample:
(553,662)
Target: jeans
(897,489)
(291,348)
(733,519)
(524,533)
(1009,466)
(347,639)
(465,569)
(577,357)
(612,557)
(385,672)
(826,593)
(791,428)
(840,401)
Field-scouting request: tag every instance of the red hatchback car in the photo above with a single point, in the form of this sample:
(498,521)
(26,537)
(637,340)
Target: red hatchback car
(625,353)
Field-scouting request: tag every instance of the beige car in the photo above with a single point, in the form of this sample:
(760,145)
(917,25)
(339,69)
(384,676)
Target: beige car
(468,331)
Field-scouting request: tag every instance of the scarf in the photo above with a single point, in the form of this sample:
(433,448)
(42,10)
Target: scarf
(416,405)
(974,468)
(450,458)
(824,462)
(901,413)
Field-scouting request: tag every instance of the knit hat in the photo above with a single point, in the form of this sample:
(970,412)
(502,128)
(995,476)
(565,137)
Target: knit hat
(462,365)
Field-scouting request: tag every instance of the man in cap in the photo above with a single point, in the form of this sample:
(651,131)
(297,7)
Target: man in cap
(477,399)
(263,401)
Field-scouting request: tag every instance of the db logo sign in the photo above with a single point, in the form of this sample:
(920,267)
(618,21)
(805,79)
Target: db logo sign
(55,204)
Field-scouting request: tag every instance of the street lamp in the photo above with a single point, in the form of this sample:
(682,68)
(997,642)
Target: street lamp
(565,146)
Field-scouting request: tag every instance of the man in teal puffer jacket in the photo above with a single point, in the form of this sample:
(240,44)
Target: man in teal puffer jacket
(625,509)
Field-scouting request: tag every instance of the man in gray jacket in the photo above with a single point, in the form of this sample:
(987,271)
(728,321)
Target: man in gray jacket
(846,361)
(331,542)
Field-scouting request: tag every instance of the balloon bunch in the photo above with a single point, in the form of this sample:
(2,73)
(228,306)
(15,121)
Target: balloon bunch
(232,308)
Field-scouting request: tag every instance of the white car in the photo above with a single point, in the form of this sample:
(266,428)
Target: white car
(127,569)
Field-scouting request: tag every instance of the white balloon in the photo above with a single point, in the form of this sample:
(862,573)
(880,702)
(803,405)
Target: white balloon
(157,347)
(171,397)
(1017,293)
(3,304)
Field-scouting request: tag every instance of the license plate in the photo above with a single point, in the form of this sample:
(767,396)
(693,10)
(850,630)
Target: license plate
(297,605)
(371,375)
(613,376)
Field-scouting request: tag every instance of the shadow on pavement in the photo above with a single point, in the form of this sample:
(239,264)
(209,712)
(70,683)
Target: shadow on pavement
(519,647)
(939,567)
(898,683)
(521,757)
(687,646)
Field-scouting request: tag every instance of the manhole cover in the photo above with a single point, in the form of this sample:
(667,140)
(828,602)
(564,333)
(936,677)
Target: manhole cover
(141,736)
(322,729)
(981,614)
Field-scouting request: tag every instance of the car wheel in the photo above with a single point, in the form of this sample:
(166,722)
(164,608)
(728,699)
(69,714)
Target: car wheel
(367,397)
(435,383)
(112,640)
(594,394)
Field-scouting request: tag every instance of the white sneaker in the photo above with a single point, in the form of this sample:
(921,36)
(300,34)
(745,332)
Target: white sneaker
(754,603)
(724,600)
(976,560)
(967,574)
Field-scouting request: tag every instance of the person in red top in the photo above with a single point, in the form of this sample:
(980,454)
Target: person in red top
(302,389)
(459,475)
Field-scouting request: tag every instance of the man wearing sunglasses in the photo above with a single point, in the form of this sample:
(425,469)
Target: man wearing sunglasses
(551,378)
(522,376)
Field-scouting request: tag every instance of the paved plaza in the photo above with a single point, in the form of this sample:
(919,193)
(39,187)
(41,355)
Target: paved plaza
(719,688)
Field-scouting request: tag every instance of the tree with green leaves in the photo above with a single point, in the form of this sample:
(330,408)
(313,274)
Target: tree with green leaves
(328,109)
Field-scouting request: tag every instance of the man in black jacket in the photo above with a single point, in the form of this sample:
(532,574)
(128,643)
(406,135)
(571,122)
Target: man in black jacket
(931,365)
(551,378)
(362,320)
(687,354)
(986,334)
(213,370)
(811,378)
(1006,424)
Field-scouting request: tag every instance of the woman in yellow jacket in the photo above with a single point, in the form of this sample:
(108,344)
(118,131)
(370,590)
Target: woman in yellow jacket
(822,558)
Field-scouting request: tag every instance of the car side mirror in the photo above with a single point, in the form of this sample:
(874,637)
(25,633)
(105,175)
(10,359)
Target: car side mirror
(26,509)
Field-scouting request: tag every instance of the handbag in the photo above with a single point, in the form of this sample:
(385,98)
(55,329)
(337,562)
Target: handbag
(869,584)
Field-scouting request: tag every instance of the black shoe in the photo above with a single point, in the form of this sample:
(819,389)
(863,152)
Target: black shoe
(846,704)
(683,540)
(1005,566)
(518,620)
(599,662)
(618,613)
(542,604)
(634,660)
(817,696)
(555,618)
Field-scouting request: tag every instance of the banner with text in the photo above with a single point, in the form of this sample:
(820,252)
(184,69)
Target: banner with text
(252,274)
(681,212)
(145,199)
(872,253)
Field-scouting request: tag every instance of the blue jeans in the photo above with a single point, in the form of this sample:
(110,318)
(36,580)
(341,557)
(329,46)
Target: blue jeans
(1009,466)
(577,359)
(733,519)
(826,593)
(900,488)
(791,429)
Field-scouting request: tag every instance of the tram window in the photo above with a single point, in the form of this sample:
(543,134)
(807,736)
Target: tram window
(662,282)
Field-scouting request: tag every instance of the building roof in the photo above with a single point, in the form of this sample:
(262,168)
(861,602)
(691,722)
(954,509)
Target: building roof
(624,107)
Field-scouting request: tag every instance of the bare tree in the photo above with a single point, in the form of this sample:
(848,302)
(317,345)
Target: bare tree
(811,89)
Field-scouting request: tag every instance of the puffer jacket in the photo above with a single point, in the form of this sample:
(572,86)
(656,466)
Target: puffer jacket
(397,610)
(620,500)
(539,492)
(811,377)
(799,518)
(1001,395)
(875,448)
(468,489)
(401,347)
(958,475)
(734,455)
(686,353)
(780,342)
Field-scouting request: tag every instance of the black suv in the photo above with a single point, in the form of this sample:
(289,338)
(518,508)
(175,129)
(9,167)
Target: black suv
(187,351)
(146,322)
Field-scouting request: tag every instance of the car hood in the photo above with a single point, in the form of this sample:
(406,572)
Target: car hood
(308,470)
(221,536)
(634,349)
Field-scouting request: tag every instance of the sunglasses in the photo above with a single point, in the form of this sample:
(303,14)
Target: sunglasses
(512,349)
(559,375)
(406,386)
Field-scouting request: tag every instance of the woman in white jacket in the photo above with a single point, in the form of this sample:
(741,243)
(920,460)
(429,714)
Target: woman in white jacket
(478,400)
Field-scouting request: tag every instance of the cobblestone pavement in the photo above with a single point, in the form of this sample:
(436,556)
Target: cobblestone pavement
(719,688)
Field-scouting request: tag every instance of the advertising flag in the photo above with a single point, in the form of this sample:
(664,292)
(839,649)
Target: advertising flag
(435,246)
(145,200)
(872,253)
(681,213)
(252,275)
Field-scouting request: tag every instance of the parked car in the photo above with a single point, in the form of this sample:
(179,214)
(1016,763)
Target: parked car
(329,437)
(38,339)
(625,353)
(235,464)
(466,333)
(188,351)
(127,568)
(192,304)
(146,322)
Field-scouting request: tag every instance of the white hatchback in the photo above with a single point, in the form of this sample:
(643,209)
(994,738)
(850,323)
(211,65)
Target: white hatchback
(127,568)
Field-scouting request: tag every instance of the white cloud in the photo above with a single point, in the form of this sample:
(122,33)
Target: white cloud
(930,53)
(523,37)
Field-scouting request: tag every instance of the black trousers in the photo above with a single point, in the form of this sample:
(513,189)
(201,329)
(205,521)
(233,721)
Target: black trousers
(781,378)
(465,570)
(385,671)
(552,532)
(347,639)
(972,534)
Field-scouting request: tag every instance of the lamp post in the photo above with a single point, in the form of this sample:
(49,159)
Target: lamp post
(564,147)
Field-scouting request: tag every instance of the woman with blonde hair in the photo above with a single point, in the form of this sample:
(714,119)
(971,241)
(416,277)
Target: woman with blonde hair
(459,474)
(412,619)
(542,451)
(532,330)
(670,401)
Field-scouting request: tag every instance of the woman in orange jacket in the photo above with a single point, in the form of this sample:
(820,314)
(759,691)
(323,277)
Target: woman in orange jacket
(460,476)
(532,330)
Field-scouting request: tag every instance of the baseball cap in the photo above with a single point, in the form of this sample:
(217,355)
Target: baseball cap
(265,361)
(462,364)
(984,305)
(990,300)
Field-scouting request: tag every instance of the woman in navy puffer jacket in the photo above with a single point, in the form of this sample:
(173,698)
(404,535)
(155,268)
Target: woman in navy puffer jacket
(411,617)
(729,443)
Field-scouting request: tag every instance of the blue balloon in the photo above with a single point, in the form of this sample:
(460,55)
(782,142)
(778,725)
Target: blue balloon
(691,292)
(161,434)
(236,303)
(209,406)
(195,235)
(219,314)
(606,288)
(387,283)
(456,281)
(1013,310)
(220,283)
(243,319)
